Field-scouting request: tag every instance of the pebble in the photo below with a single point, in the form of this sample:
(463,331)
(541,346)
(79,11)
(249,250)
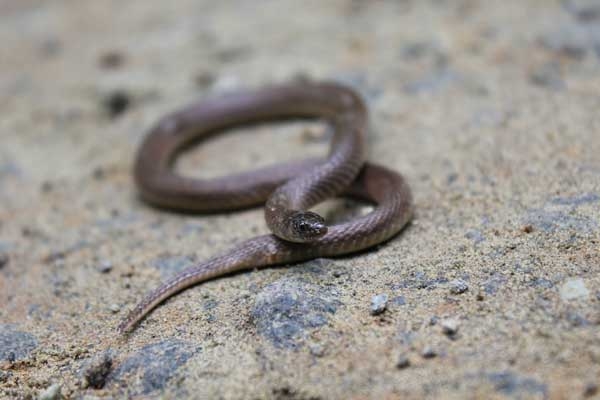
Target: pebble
(428,352)
(458,286)
(204,79)
(105,266)
(51,393)
(403,362)
(116,103)
(379,303)
(96,370)
(450,326)
(111,59)
(317,350)
(226,83)
(591,389)
(574,288)
(399,300)
(115,308)
(549,76)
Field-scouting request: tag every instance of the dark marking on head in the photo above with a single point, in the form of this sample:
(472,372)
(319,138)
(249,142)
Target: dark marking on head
(307,226)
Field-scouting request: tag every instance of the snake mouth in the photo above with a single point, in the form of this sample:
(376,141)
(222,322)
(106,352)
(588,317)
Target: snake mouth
(307,226)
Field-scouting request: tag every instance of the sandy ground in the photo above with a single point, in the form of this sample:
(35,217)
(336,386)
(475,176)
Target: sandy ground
(490,109)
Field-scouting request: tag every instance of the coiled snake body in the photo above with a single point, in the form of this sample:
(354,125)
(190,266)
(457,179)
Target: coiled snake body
(289,189)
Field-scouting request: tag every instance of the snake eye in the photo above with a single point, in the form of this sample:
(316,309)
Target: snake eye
(304,226)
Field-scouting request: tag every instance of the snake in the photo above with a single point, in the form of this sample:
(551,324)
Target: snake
(288,190)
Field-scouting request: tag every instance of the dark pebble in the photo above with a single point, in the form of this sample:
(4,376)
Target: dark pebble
(204,79)
(3,260)
(116,103)
(591,389)
(51,47)
(46,187)
(4,375)
(548,76)
(97,369)
(586,12)
(111,60)
(99,173)
(527,229)
(403,362)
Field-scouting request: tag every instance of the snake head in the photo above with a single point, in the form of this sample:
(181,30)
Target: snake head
(307,226)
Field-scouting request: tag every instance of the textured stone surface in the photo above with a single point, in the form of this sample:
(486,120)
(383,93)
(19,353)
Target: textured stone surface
(14,344)
(287,310)
(152,366)
(490,109)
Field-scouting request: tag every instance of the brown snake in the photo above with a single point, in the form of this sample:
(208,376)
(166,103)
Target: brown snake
(289,189)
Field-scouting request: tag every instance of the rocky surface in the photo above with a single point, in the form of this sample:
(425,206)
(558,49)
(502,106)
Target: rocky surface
(490,109)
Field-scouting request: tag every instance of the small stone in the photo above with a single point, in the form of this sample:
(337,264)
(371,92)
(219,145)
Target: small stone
(379,303)
(51,393)
(111,59)
(399,300)
(46,187)
(527,229)
(104,267)
(314,134)
(3,260)
(574,288)
(96,370)
(450,326)
(225,83)
(458,286)
(204,79)
(403,362)
(117,102)
(317,350)
(428,352)
(99,173)
(591,389)
(548,75)
(114,308)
